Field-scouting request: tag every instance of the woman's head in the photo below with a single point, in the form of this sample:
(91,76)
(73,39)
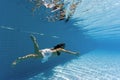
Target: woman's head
(61,45)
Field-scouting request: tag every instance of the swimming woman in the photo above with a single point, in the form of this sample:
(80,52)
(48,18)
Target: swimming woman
(44,54)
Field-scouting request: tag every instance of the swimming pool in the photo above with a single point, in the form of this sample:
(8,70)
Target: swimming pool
(93,31)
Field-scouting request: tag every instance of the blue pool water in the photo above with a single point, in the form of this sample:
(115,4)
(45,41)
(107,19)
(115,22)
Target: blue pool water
(93,30)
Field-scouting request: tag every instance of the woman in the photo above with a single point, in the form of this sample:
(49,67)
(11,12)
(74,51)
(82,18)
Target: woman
(44,54)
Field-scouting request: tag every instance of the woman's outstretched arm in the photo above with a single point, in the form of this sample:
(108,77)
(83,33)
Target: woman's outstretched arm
(67,51)
(70,52)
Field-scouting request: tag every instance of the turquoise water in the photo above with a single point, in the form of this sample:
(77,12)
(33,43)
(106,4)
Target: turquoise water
(93,31)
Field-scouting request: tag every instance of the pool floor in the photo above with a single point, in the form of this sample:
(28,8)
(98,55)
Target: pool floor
(95,65)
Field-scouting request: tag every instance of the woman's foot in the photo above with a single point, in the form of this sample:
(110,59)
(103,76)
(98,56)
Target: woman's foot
(14,63)
(32,37)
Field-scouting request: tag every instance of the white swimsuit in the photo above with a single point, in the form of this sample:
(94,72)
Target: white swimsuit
(46,53)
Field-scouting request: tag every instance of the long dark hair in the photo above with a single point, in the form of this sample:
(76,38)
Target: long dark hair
(60,45)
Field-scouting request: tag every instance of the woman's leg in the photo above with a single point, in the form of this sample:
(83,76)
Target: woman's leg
(19,59)
(36,46)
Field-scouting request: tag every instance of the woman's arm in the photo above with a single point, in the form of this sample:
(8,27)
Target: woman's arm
(70,52)
(66,51)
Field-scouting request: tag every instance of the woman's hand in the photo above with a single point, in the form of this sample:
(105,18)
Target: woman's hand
(76,53)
